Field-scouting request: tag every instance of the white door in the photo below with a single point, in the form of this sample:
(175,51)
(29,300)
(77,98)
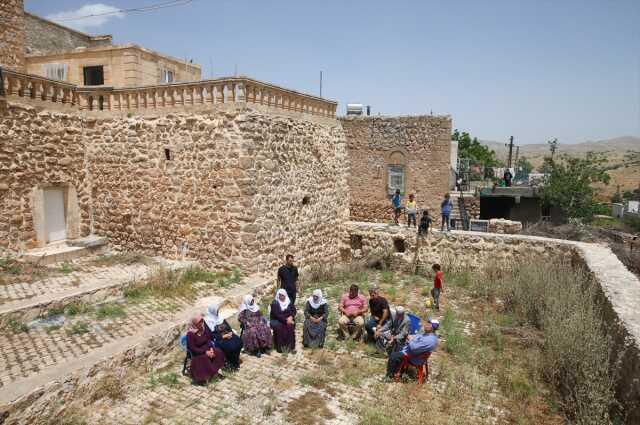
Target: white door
(54,214)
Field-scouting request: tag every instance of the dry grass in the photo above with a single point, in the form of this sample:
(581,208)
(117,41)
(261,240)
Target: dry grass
(121,258)
(108,386)
(308,409)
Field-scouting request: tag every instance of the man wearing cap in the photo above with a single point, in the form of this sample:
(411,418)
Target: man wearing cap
(379,307)
(415,348)
(393,334)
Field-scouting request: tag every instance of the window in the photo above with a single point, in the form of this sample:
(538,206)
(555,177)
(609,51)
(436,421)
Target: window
(396,178)
(93,75)
(55,71)
(166,76)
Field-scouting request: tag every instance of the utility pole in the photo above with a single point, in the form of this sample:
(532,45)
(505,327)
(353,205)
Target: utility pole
(517,155)
(320,83)
(510,151)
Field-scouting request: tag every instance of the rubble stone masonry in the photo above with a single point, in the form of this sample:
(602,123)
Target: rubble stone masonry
(12,34)
(418,144)
(237,188)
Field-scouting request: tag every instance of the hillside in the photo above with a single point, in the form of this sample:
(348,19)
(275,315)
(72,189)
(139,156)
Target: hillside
(627,177)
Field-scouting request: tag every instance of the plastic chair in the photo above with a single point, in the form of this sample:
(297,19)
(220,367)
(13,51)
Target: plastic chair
(423,369)
(186,365)
(414,323)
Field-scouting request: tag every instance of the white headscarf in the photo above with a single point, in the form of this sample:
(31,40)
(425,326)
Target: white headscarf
(212,318)
(283,304)
(316,293)
(246,304)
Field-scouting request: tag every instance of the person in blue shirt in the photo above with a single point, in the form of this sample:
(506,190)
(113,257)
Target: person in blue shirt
(397,209)
(416,346)
(445,209)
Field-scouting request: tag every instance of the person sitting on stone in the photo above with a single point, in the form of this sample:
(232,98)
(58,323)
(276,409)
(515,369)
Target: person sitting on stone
(256,333)
(352,307)
(283,314)
(206,360)
(316,312)
(379,307)
(223,337)
(415,348)
(393,334)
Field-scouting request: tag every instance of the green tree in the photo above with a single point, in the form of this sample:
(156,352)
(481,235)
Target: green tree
(473,150)
(523,167)
(570,180)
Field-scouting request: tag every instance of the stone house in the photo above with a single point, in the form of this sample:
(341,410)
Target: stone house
(59,53)
(410,153)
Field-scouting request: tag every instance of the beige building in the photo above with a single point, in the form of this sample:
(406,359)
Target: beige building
(60,53)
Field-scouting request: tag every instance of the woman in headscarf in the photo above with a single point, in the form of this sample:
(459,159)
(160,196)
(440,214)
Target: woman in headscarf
(316,312)
(223,337)
(206,360)
(256,334)
(283,314)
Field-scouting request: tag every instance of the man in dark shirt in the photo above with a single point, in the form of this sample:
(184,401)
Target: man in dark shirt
(379,312)
(288,278)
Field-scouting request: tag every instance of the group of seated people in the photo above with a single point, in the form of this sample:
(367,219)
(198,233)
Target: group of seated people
(213,344)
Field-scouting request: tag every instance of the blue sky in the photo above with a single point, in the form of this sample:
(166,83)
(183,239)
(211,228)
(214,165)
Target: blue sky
(534,69)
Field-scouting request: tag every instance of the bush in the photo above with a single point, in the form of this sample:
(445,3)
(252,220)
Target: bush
(562,302)
(633,222)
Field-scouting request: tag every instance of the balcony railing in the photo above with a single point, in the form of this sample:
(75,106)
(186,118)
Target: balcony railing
(198,93)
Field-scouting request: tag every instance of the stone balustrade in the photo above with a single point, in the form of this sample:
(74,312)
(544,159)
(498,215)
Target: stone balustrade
(198,93)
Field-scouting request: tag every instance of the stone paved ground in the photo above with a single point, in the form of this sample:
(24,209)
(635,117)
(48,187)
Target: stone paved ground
(86,276)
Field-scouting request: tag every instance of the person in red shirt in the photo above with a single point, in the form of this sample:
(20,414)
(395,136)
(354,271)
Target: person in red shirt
(437,286)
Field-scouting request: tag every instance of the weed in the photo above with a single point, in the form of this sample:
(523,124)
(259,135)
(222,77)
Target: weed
(66,268)
(78,328)
(16,326)
(169,379)
(456,341)
(52,328)
(298,410)
(387,277)
(10,266)
(76,308)
(111,310)
(108,386)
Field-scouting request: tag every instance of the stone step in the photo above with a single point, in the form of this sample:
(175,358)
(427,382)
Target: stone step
(44,357)
(26,301)
(65,251)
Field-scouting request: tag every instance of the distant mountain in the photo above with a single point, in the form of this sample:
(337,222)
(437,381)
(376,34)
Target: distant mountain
(627,178)
(617,146)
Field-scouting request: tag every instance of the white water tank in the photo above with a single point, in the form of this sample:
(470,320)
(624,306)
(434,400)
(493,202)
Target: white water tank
(355,108)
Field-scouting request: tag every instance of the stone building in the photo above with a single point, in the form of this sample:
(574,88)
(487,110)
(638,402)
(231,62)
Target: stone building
(12,35)
(59,53)
(411,154)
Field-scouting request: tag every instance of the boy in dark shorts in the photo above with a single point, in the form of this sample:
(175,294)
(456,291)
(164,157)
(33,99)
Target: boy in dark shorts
(437,286)
(425,223)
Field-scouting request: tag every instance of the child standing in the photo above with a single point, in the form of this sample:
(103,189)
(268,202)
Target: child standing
(397,209)
(425,222)
(445,208)
(412,211)
(437,286)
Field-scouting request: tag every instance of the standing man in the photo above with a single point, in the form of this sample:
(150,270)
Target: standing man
(507,177)
(445,208)
(397,209)
(288,278)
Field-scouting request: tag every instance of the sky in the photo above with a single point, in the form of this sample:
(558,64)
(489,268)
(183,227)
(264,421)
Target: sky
(533,69)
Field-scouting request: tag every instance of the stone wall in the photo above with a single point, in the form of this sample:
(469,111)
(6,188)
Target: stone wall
(12,34)
(420,144)
(44,37)
(236,188)
(619,288)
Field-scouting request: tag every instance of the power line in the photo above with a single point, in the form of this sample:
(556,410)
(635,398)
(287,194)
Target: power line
(149,8)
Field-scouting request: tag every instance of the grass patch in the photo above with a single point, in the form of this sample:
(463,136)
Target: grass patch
(169,379)
(308,409)
(73,309)
(78,328)
(15,326)
(108,386)
(10,266)
(66,268)
(121,258)
(456,341)
(109,311)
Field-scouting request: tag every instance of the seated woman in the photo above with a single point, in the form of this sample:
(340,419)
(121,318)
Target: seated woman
(283,314)
(223,337)
(206,360)
(316,312)
(256,334)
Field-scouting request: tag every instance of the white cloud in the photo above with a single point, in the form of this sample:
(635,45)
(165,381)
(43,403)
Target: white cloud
(94,15)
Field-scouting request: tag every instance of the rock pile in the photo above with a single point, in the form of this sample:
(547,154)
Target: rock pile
(499,225)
